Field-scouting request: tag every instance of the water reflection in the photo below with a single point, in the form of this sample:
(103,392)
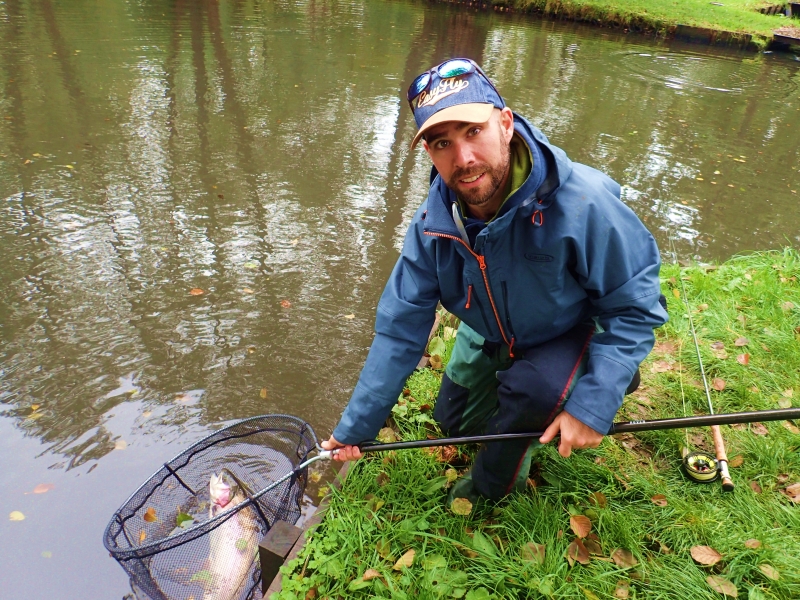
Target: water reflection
(259,151)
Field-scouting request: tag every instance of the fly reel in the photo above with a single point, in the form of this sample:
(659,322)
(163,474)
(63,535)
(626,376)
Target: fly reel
(700,467)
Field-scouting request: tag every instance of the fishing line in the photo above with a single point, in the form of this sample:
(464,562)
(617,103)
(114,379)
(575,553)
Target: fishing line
(701,466)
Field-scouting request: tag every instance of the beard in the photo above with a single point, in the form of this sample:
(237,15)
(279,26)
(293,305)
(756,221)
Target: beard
(495,175)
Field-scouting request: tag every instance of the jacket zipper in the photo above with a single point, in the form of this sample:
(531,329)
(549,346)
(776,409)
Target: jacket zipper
(504,287)
(482,264)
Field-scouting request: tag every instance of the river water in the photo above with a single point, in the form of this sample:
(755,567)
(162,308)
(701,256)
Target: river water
(258,151)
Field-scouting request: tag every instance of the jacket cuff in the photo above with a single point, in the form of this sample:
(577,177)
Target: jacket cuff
(596,400)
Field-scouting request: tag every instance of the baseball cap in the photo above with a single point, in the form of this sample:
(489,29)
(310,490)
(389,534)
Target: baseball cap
(455,90)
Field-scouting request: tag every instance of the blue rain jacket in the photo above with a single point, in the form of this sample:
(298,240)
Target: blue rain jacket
(565,252)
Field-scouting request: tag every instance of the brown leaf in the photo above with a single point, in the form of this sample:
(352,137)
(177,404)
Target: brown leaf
(752,544)
(371,574)
(286,304)
(196,292)
(263,393)
(150,515)
(706,555)
(142,536)
(722,585)
(580,525)
(736,461)
(598,499)
(787,306)
(676,292)
(755,487)
(623,590)
(43,488)
(436,362)
(311,594)
(784,402)
(405,561)
(717,345)
(659,500)
(533,552)
(718,384)
(593,546)
(624,559)
(387,435)
(743,359)
(782,477)
(791,427)
(742,341)
(759,428)
(770,571)
(661,366)
(720,354)
(667,347)
(382,479)
(577,552)
(793,489)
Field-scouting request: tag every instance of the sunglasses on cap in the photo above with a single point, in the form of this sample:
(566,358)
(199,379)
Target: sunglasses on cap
(455,67)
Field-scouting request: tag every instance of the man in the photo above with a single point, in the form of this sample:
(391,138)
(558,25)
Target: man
(554,278)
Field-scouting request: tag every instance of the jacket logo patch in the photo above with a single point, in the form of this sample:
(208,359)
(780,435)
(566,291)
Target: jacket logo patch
(539,257)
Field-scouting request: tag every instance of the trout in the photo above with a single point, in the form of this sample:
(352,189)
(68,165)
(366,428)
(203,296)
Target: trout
(234,543)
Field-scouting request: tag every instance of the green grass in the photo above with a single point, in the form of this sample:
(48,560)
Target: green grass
(735,16)
(390,505)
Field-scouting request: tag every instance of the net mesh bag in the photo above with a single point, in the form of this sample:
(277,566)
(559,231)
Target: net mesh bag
(175,547)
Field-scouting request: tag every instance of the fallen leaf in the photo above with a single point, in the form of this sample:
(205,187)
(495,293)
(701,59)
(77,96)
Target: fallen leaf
(120,445)
(43,488)
(371,574)
(580,525)
(387,435)
(787,306)
(382,479)
(588,594)
(577,552)
(350,316)
(150,515)
(742,341)
(263,393)
(533,552)
(705,555)
(461,506)
(759,428)
(676,292)
(623,590)
(791,427)
(752,543)
(787,393)
(720,354)
(736,461)
(405,561)
(743,359)
(785,403)
(598,499)
(717,345)
(702,307)
(755,487)
(142,536)
(294,242)
(661,366)
(770,571)
(436,362)
(16,516)
(147,413)
(384,548)
(659,500)
(248,291)
(722,585)
(593,546)
(793,489)
(35,406)
(196,292)
(286,304)
(624,559)
(782,477)
(718,384)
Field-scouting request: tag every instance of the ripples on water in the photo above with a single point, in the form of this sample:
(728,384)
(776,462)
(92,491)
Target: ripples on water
(259,151)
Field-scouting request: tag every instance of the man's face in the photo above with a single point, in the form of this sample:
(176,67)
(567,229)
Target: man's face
(473,158)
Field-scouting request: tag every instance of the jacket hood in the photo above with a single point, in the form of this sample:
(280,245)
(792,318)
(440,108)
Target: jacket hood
(439,218)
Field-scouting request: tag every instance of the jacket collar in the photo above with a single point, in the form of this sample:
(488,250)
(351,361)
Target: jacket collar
(439,218)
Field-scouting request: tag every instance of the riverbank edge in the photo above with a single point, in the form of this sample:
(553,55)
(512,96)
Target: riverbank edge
(781,40)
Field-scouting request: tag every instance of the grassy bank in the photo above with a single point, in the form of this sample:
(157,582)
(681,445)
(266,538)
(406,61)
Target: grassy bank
(620,521)
(737,17)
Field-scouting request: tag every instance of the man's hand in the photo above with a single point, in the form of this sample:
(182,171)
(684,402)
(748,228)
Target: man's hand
(574,434)
(345,453)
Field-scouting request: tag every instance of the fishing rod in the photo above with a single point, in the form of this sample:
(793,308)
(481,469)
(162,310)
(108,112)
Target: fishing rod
(699,466)
(622,427)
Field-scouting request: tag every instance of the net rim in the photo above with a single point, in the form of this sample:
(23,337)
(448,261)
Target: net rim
(157,545)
